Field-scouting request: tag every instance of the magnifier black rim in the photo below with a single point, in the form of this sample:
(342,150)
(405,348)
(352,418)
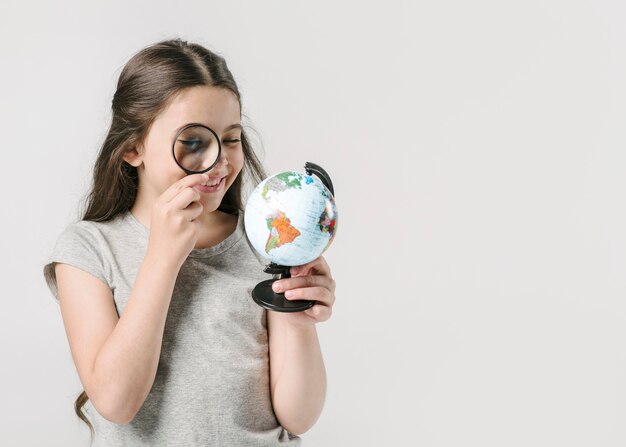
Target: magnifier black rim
(219,148)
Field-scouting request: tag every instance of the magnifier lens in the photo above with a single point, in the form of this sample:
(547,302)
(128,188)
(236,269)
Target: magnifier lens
(196,148)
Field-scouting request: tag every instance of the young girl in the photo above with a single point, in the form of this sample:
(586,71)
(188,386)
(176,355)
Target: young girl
(154,283)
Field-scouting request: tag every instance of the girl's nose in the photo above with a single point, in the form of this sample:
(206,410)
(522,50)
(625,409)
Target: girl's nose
(223,160)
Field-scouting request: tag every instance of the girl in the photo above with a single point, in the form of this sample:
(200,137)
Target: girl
(154,283)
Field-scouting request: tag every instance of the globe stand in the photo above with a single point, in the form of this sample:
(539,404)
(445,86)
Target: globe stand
(265,297)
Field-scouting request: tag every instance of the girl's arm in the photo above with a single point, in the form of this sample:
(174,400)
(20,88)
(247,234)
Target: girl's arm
(297,373)
(116,358)
(298,385)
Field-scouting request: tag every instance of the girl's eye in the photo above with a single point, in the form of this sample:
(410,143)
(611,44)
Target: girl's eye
(189,142)
(231,141)
(192,145)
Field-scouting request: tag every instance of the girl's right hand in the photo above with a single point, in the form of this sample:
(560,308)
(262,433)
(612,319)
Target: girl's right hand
(173,230)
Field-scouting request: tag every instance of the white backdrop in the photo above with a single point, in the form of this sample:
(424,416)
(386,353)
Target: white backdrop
(477,152)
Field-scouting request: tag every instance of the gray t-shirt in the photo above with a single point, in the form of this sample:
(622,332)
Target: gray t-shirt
(212,383)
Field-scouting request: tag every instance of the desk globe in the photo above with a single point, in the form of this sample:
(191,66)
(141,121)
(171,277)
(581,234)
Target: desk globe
(290,219)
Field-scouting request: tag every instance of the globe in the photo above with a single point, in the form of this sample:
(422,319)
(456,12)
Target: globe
(290,218)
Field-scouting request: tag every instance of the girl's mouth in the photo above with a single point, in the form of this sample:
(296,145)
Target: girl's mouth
(207,189)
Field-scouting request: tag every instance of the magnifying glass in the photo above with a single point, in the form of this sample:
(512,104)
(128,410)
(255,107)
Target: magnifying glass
(196,148)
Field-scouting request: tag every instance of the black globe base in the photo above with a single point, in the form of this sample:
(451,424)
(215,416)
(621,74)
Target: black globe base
(264,295)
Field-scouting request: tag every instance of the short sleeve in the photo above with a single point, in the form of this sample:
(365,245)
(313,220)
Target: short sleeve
(79,247)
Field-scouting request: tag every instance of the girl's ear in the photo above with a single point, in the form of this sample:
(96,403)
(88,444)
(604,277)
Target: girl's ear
(133,156)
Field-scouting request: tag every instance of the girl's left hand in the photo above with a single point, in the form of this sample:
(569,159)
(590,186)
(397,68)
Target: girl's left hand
(311,281)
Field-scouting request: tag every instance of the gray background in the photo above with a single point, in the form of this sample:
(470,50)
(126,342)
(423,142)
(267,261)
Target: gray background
(477,151)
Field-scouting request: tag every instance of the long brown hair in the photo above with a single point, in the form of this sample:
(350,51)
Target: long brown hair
(148,81)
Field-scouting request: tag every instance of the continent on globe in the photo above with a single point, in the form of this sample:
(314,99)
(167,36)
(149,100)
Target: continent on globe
(283,181)
(281,231)
(327,221)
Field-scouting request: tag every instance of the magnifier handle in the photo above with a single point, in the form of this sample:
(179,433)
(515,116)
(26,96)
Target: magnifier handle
(323,175)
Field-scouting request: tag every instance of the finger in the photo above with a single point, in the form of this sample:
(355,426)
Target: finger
(319,312)
(303,282)
(184,199)
(319,294)
(192,211)
(319,266)
(185,182)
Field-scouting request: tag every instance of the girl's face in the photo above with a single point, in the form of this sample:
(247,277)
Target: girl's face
(214,107)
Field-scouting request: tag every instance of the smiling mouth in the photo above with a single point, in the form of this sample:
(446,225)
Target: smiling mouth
(214,188)
(214,181)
